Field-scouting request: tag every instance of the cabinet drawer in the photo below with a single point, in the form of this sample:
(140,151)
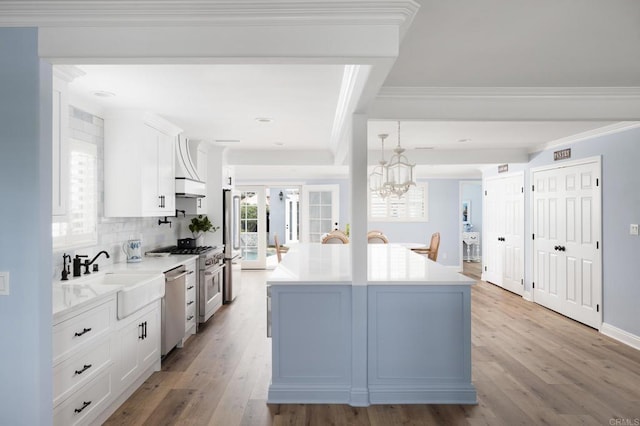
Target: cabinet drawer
(70,335)
(190,316)
(85,404)
(79,369)
(190,279)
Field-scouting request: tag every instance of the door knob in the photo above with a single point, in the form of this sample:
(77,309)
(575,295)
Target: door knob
(556,248)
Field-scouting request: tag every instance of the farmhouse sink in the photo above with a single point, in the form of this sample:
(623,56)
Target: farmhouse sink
(137,290)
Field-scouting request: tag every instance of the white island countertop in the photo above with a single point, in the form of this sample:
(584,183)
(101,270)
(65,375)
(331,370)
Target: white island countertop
(389,264)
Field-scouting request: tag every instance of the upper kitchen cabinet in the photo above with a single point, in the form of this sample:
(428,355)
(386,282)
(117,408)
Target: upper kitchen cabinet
(139,165)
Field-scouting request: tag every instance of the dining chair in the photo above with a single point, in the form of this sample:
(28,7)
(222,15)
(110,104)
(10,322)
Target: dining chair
(377,237)
(335,238)
(277,243)
(432,251)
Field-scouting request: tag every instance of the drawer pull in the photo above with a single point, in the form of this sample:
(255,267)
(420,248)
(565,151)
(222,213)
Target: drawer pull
(190,303)
(190,287)
(84,331)
(85,404)
(85,368)
(190,317)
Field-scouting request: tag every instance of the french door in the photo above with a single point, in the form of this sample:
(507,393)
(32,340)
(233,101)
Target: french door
(567,263)
(253,228)
(320,210)
(503,226)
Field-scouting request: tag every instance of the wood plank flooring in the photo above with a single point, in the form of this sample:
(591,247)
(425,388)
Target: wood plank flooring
(530,366)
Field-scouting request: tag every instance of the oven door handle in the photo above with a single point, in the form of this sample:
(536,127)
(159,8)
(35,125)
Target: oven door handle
(176,277)
(215,272)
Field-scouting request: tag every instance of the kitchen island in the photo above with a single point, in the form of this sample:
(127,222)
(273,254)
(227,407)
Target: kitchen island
(417,316)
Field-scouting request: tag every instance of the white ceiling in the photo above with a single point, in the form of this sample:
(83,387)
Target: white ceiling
(222,102)
(543,43)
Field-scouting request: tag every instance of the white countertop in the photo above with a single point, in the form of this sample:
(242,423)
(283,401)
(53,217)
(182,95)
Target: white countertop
(67,297)
(152,264)
(314,264)
(330,264)
(79,291)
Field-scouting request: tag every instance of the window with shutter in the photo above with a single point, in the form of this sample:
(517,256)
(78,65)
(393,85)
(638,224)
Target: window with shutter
(78,227)
(412,206)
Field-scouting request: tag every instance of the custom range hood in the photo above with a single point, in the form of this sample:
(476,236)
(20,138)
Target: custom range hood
(188,182)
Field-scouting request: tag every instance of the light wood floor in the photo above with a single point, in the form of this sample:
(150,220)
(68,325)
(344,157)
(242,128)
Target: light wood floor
(530,366)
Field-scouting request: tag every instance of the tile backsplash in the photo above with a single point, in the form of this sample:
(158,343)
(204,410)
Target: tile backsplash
(114,232)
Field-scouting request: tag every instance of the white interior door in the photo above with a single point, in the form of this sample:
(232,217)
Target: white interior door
(503,227)
(513,234)
(567,228)
(320,211)
(492,229)
(253,226)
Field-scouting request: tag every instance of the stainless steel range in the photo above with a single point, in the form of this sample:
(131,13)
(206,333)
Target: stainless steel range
(210,277)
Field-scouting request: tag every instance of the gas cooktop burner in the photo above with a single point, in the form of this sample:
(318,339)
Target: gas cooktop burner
(176,250)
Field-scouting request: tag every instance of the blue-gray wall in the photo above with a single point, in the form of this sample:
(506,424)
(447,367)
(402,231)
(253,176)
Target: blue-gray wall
(472,191)
(25,230)
(620,207)
(444,199)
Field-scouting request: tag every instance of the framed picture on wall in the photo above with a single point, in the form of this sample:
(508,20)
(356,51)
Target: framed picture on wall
(466,211)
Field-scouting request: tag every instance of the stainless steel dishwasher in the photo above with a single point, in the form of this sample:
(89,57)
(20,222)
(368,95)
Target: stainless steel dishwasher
(173,308)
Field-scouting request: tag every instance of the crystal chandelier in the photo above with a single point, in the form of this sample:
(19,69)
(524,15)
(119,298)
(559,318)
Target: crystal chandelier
(378,178)
(399,172)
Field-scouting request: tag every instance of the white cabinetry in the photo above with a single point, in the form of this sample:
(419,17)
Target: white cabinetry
(190,299)
(139,165)
(138,342)
(82,363)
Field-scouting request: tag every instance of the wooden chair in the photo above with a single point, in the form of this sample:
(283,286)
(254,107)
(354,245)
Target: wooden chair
(338,232)
(432,251)
(335,238)
(280,250)
(377,237)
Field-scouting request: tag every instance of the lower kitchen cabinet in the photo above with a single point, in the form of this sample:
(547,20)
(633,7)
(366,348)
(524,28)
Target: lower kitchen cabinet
(84,406)
(83,362)
(138,345)
(190,299)
(98,360)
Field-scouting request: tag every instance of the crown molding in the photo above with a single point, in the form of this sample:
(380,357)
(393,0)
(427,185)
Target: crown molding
(67,73)
(509,92)
(63,13)
(590,134)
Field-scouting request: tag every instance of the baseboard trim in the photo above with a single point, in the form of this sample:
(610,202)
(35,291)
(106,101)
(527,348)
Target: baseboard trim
(526,295)
(359,397)
(620,335)
(317,394)
(444,394)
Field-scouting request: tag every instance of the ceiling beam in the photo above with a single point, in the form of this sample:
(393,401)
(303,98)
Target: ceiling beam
(458,156)
(508,103)
(239,157)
